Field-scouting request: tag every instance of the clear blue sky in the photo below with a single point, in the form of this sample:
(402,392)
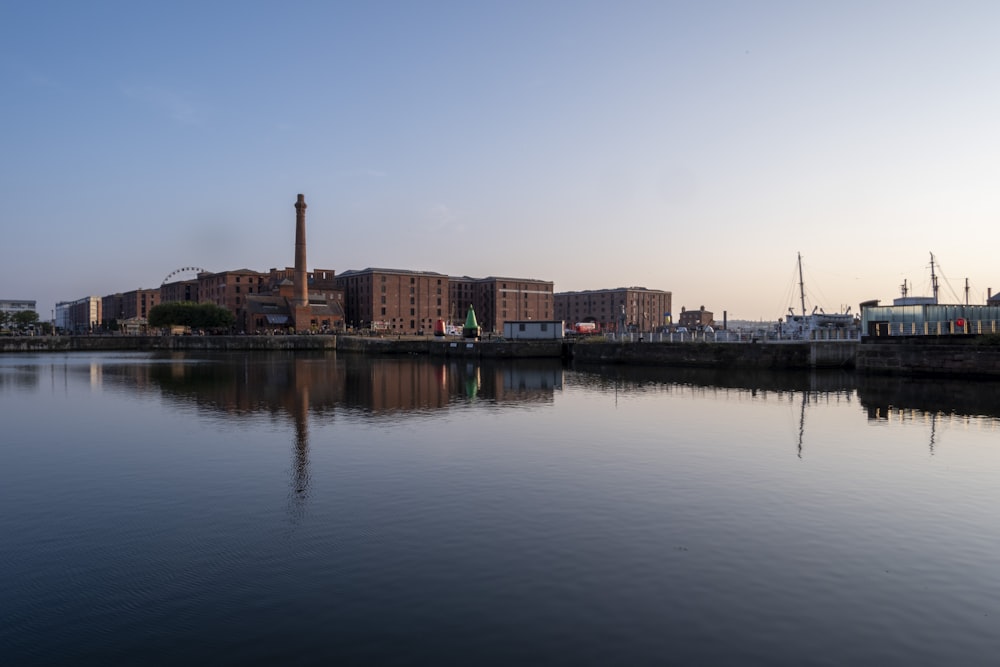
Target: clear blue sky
(694,147)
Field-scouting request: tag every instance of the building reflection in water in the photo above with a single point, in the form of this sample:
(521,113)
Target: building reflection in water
(933,402)
(902,399)
(318,387)
(794,388)
(17,374)
(299,491)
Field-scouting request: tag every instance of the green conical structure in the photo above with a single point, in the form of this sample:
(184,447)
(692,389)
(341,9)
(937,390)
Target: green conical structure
(471,328)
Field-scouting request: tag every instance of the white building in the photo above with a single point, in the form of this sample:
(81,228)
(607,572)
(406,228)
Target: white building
(13,306)
(533,329)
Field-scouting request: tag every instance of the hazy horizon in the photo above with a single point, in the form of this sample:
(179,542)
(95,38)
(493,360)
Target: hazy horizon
(689,147)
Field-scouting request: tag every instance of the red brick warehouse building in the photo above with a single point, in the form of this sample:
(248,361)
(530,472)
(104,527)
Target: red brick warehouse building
(410,302)
(394,300)
(498,300)
(132,307)
(623,308)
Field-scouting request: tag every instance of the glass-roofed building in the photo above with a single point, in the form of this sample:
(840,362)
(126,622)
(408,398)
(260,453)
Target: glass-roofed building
(928,319)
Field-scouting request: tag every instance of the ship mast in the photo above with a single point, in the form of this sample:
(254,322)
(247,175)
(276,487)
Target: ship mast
(934,280)
(802,287)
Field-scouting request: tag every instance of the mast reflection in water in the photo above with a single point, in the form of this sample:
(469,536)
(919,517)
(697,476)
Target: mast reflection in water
(262,509)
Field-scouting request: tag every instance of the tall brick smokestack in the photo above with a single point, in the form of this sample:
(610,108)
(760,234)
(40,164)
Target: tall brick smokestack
(301,282)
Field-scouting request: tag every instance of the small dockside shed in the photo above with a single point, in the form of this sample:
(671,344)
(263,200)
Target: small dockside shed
(533,329)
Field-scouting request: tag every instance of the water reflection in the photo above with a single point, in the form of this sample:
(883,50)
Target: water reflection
(321,384)
(755,381)
(317,385)
(301,387)
(932,404)
(885,399)
(157,505)
(299,493)
(804,389)
(18,376)
(888,397)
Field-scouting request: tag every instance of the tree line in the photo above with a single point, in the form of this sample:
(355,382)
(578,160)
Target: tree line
(22,320)
(204,316)
(189,314)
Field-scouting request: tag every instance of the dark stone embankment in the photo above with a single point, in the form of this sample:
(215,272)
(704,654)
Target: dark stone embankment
(928,356)
(350,344)
(155,343)
(434,347)
(798,355)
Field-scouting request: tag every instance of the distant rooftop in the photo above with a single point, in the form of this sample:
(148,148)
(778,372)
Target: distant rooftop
(357,272)
(616,289)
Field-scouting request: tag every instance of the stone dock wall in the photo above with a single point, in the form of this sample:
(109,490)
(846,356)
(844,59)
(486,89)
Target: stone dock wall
(168,343)
(799,355)
(351,344)
(930,357)
(453,348)
(926,356)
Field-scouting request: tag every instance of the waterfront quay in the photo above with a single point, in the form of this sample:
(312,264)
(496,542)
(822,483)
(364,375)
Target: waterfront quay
(928,356)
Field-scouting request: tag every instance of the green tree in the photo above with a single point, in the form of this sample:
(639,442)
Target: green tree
(23,319)
(189,314)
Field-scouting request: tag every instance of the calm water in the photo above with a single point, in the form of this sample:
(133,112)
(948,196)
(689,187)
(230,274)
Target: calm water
(311,509)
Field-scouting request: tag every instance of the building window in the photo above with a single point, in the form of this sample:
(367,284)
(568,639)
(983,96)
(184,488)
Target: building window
(545,327)
(383,311)
(520,327)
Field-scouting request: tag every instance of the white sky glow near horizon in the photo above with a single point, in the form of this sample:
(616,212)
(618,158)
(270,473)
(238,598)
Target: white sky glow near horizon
(688,147)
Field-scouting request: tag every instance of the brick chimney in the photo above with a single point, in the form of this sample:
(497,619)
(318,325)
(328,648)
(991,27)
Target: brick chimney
(301,281)
(299,303)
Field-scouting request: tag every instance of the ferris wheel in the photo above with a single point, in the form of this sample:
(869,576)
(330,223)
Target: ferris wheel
(186,269)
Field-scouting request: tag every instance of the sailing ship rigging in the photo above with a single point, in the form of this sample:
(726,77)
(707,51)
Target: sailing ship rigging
(803,325)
